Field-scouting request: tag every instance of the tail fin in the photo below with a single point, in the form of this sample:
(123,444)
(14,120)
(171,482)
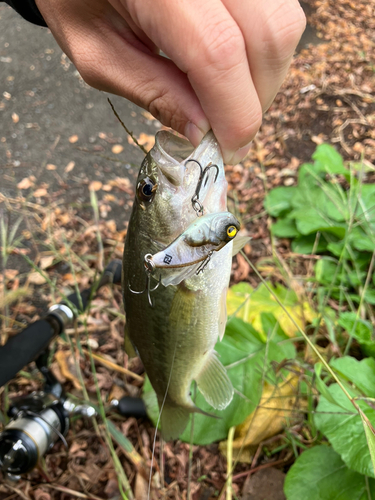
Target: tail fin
(173,421)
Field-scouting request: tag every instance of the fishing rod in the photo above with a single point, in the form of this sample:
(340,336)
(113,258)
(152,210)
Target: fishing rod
(40,419)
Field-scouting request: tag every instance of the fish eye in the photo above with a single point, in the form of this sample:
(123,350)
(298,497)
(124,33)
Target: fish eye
(146,189)
(231,231)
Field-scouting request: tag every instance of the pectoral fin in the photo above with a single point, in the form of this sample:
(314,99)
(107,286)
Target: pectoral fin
(238,243)
(214,383)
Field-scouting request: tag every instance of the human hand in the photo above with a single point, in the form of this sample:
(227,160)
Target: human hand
(227,58)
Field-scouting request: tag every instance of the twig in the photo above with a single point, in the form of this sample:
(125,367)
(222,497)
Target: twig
(113,366)
(260,467)
(126,128)
(230,462)
(74,493)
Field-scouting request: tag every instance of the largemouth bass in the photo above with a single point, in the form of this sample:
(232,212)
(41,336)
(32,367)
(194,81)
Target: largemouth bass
(175,338)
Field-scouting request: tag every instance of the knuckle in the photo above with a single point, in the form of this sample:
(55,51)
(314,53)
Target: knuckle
(221,44)
(285,28)
(160,106)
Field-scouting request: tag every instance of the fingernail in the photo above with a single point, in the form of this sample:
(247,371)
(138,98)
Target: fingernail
(233,158)
(195,134)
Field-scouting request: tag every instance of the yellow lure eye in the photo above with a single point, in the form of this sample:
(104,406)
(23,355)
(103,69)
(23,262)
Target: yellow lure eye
(231,231)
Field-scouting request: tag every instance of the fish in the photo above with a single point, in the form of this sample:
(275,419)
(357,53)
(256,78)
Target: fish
(173,323)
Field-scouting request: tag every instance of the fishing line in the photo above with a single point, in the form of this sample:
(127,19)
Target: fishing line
(158,422)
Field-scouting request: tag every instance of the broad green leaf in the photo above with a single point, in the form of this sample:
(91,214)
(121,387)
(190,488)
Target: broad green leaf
(320,474)
(278,201)
(370,296)
(362,240)
(321,386)
(366,205)
(327,271)
(369,431)
(271,327)
(360,373)
(327,159)
(311,220)
(248,304)
(284,228)
(307,244)
(358,328)
(343,426)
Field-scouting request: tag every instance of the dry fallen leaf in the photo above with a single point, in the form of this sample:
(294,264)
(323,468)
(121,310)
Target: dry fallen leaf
(46,261)
(10,274)
(36,278)
(144,140)
(25,183)
(67,367)
(270,418)
(15,118)
(69,167)
(40,193)
(111,224)
(95,185)
(117,149)
(73,139)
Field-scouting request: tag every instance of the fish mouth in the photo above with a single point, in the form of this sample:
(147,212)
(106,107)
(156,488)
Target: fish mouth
(176,148)
(170,153)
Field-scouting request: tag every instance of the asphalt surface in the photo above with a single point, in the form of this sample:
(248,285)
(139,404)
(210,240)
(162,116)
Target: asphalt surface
(43,103)
(52,102)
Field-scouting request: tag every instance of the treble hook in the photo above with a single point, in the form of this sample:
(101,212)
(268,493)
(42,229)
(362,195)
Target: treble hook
(149,268)
(203,176)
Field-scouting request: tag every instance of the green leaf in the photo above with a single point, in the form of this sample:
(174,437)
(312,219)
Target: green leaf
(321,386)
(361,373)
(370,296)
(343,426)
(369,431)
(320,474)
(278,200)
(248,304)
(327,271)
(366,206)
(312,220)
(328,160)
(284,228)
(360,329)
(307,244)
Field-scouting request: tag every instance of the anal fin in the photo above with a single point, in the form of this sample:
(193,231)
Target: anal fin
(214,383)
